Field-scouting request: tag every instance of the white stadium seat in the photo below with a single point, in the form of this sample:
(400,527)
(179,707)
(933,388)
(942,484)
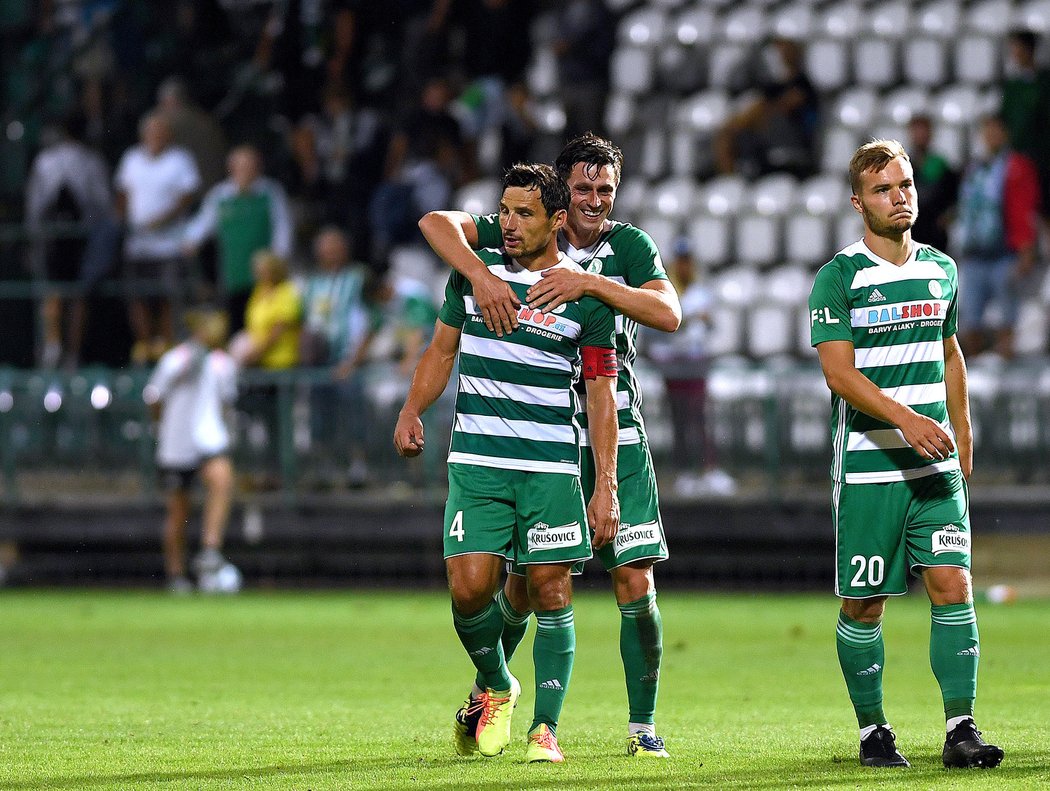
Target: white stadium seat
(789,284)
(632,197)
(675,197)
(619,114)
(711,237)
(631,70)
(957,104)
(1034,15)
(654,153)
(856,108)
(827,64)
(696,25)
(838,144)
(726,64)
(737,286)
(942,18)
(745,23)
(703,112)
(724,195)
(826,193)
(993,17)
(848,228)
(890,19)
(952,142)
(796,21)
(757,239)
(774,194)
(478,197)
(542,73)
(664,230)
(925,61)
(876,62)
(643,27)
(977,59)
(807,237)
(770,329)
(902,104)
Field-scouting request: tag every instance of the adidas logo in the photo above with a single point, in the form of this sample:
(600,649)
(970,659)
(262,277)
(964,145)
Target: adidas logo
(653,676)
(973,651)
(482,651)
(871,671)
(552,683)
(876,296)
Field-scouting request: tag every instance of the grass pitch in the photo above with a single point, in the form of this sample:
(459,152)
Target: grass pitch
(357,690)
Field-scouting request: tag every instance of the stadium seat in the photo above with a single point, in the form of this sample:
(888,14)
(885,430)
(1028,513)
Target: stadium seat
(795,21)
(478,197)
(826,193)
(549,115)
(901,104)
(631,70)
(770,329)
(727,66)
(952,141)
(890,19)
(1031,331)
(856,108)
(875,62)
(789,285)
(757,239)
(669,4)
(848,228)
(542,73)
(890,130)
(664,231)
(977,59)
(1035,15)
(725,333)
(837,146)
(414,262)
(632,197)
(774,194)
(711,237)
(703,112)
(843,20)
(724,195)
(992,17)
(643,27)
(746,23)
(619,114)
(925,62)
(675,197)
(827,64)
(941,18)
(807,237)
(654,153)
(696,25)
(681,70)
(618,6)
(737,286)
(956,104)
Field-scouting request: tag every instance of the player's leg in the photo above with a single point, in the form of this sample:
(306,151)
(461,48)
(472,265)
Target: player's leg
(871,564)
(553,654)
(478,538)
(177,513)
(630,559)
(551,536)
(217,475)
(513,603)
(939,544)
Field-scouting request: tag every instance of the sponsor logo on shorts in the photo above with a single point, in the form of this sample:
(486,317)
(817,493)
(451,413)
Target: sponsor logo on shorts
(542,536)
(630,536)
(950,539)
(871,671)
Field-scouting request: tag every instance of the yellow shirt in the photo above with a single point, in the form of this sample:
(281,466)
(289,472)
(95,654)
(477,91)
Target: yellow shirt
(266,309)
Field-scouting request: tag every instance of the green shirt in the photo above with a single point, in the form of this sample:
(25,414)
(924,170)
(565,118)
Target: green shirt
(515,406)
(897,318)
(627,255)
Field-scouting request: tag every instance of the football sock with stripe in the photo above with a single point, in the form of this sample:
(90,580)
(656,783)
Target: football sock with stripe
(553,652)
(480,635)
(514,626)
(641,648)
(862,656)
(955,651)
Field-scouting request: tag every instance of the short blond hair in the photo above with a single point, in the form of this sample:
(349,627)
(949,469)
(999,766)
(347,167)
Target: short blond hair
(274,265)
(874,156)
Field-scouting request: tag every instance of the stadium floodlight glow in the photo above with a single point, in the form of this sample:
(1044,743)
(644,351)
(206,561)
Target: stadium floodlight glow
(101,397)
(7,401)
(52,400)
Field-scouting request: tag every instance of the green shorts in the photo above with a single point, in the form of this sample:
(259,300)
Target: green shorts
(641,532)
(525,517)
(885,530)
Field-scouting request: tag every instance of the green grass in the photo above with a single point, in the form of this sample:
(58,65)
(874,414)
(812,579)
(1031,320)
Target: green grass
(357,690)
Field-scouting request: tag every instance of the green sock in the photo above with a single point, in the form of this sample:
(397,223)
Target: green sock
(479,634)
(514,626)
(862,656)
(641,648)
(553,652)
(955,651)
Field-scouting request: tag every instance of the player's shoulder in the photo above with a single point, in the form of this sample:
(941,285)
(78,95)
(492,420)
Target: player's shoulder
(927,252)
(623,235)
(845,262)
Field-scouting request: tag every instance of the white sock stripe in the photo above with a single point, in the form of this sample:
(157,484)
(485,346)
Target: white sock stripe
(510,615)
(851,635)
(548,623)
(956,619)
(468,622)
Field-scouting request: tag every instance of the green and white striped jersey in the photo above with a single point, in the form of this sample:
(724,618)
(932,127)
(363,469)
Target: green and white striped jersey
(516,405)
(627,255)
(897,318)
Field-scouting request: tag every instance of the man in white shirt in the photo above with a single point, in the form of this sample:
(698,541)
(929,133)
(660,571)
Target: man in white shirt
(156,184)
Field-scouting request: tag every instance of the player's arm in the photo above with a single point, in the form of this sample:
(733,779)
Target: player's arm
(654,304)
(958,401)
(428,383)
(603,510)
(840,372)
(453,236)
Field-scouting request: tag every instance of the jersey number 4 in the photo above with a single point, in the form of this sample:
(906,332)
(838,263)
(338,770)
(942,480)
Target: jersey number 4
(456,531)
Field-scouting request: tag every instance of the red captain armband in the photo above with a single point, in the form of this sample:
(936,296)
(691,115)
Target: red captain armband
(598,362)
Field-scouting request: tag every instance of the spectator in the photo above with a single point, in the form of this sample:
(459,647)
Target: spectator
(69,182)
(194,129)
(270,338)
(775,132)
(190,393)
(338,334)
(683,357)
(156,185)
(1026,104)
(426,159)
(936,182)
(247,212)
(997,237)
(406,314)
(586,38)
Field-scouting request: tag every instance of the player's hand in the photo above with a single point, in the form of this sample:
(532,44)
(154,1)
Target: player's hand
(557,286)
(603,516)
(408,436)
(498,304)
(927,437)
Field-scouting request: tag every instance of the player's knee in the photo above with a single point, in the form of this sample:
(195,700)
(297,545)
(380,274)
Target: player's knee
(517,593)
(550,588)
(864,610)
(469,600)
(948,585)
(632,582)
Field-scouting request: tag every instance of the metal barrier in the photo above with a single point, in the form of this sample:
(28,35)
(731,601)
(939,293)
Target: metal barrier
(299,431)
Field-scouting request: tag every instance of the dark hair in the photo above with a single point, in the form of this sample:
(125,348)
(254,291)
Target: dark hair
(591,150)
(554,194)
(1026,38)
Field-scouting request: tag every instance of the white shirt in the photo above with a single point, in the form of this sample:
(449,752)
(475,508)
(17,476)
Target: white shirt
(73,165)
(194,386)
(154,185)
